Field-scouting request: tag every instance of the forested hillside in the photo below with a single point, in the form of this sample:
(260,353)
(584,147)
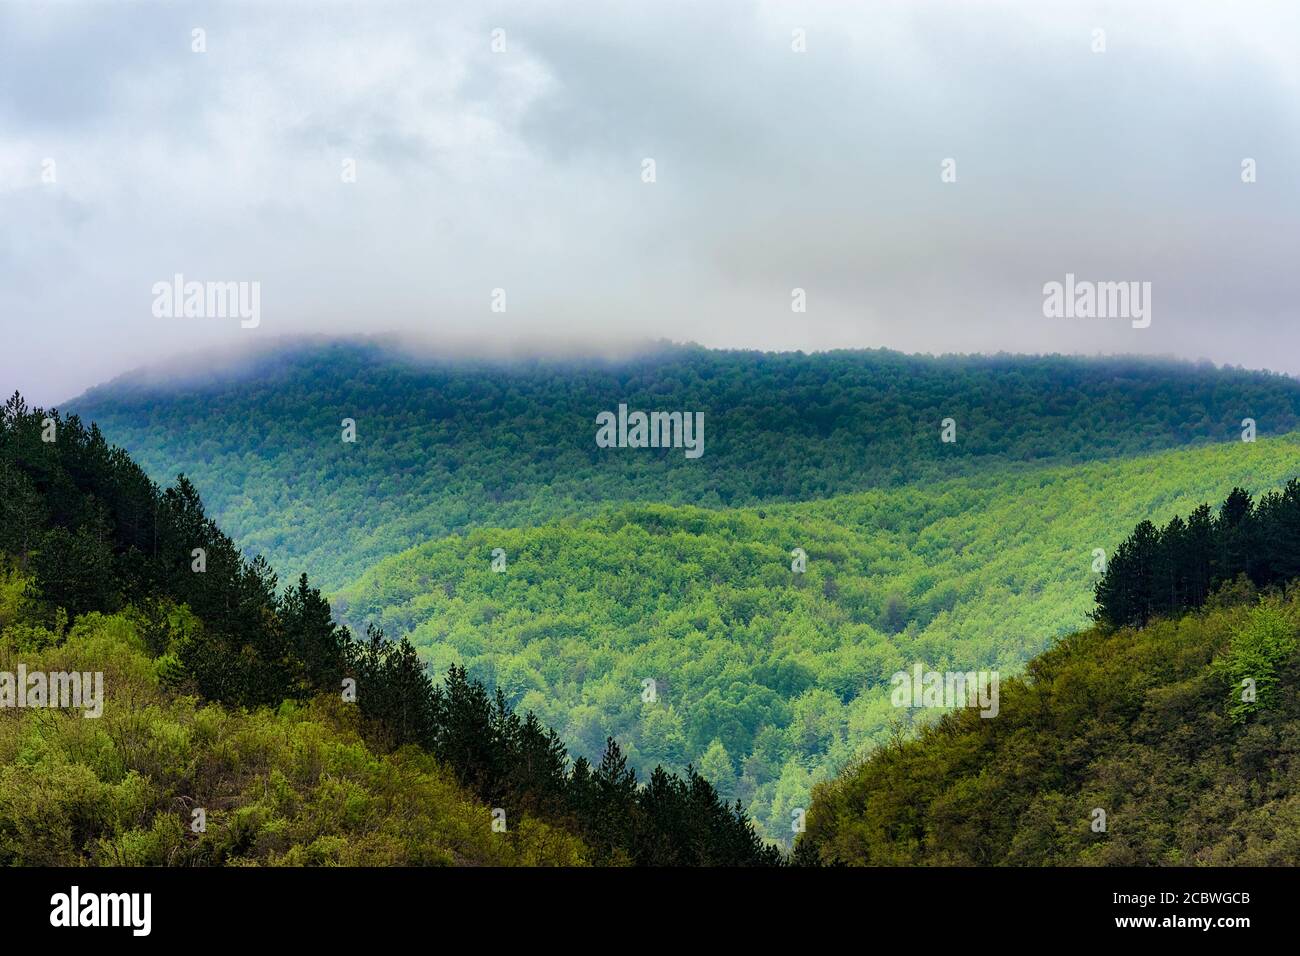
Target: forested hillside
(1133,723)
(447,446)
(622,567)
(293,786)
(1176,743)
(767,679)
(220,692)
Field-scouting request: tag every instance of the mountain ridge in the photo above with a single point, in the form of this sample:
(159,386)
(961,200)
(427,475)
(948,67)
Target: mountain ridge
(457,445)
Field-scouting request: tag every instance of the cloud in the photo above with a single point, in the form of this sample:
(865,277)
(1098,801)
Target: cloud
(522,170)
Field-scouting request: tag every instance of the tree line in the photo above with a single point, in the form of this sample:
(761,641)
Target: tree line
(1163,572)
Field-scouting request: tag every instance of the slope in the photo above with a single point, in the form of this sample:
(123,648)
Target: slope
(443,446)
(165,612)
(767,679)
(162,779)
(1124,747)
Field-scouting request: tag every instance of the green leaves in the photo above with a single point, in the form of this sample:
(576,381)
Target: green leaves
(789,675)
(453,446)
(1256,653)
(1114,750)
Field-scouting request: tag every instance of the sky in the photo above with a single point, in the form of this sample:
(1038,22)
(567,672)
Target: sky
(920,170)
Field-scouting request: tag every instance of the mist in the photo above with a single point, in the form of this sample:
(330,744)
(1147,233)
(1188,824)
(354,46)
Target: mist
(477,179)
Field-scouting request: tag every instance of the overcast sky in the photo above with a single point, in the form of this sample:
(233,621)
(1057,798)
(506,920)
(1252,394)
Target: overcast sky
(523,170)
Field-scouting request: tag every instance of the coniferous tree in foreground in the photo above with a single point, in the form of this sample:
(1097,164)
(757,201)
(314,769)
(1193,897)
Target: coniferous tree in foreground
(1162,573)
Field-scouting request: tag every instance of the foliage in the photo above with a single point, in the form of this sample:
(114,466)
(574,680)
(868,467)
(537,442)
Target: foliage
(99,536)
(1256,654)
(788,673)
(1165,572)
(296,785)
(1130,723)
(445,446)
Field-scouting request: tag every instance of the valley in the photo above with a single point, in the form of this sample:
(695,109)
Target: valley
(476,516)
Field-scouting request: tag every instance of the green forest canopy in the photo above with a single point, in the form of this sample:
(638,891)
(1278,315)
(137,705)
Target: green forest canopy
(1171,744)
(767,679)
(448,446)
(1119,747)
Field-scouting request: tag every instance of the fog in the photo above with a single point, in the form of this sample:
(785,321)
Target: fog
(475,176)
